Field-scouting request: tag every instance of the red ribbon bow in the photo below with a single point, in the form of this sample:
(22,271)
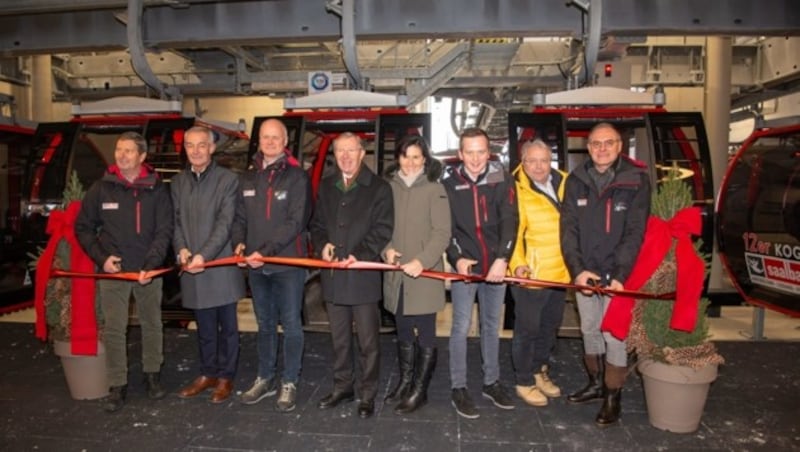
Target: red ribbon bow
(690,268)
(83,332)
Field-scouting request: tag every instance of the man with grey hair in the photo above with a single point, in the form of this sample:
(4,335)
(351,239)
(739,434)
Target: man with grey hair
(353,221)
(537,254)
(605,210)
(204,198)
(125,225)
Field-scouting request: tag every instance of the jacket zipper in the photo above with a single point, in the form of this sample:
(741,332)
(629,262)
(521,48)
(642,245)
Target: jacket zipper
(608,202)
(269,194)
(479,230)
(138,212)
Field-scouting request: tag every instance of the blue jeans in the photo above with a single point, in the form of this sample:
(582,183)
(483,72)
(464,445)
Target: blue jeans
(278,296)
(490,306)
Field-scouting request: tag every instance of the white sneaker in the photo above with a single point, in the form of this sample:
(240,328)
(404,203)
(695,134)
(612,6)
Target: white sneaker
(545,385)
(531,395)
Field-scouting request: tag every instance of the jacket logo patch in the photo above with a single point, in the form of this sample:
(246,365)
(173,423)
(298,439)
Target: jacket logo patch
(620,207)
(462,187)
(110,206)
(582,202)
(280,195)
(248,193)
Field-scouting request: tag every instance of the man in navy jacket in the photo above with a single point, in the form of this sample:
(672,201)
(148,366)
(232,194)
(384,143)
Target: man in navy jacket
(483,207)
(603,218)
(125,225)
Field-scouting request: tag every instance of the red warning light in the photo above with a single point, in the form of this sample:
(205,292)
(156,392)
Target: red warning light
(608,69)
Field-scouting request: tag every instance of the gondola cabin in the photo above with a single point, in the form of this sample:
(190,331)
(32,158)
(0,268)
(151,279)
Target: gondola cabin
(758,219)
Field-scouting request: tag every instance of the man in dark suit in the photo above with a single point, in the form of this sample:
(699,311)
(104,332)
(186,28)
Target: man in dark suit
(353,221)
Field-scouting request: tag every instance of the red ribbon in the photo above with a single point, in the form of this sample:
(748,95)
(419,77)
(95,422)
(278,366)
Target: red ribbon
(368,265)
(83,332)
(690,272)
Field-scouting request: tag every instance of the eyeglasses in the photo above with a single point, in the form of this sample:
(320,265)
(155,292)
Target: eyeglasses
(602,144)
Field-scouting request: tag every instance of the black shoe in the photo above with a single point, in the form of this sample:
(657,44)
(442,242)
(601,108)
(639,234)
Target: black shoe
(115,399)
(463,404)
(498,395)
(366,408)
(609,412)
(335,398)
(153,382)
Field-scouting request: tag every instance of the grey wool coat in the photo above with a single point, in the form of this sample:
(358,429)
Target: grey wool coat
(421,231)
(204,209)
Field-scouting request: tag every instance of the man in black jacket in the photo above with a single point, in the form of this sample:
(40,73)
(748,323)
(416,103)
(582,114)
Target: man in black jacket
(483,207)
(353,221)
(272,211)
(605,210)
(125,224)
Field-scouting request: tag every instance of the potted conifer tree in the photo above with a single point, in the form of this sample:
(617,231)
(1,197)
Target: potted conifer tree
(67,309)
(670,337)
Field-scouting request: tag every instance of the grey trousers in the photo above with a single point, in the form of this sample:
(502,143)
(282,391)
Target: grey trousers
(591,310)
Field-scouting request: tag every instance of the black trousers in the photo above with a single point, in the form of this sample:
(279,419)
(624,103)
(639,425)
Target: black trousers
(218,340)
(425,325)
(366,318)
(537,317)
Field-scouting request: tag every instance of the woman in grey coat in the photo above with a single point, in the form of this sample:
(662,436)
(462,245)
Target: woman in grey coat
(421,234)
(204,197)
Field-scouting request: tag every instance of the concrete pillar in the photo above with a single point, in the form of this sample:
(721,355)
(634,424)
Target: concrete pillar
(22,94)
(717,115)
(42,88)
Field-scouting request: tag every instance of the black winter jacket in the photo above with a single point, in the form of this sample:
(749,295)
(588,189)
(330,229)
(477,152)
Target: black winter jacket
(602,232)
(129,220)
(484,215)
(273,207)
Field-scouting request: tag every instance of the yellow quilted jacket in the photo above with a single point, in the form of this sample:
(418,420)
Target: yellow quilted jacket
(538,239)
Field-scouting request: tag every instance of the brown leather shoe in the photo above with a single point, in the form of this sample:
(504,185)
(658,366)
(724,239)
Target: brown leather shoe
(222,391)
(199,385)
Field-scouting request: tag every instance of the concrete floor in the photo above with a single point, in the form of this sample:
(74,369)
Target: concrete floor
(752,405)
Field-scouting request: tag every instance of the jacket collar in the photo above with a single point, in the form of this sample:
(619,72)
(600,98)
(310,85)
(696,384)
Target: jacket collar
(147,177)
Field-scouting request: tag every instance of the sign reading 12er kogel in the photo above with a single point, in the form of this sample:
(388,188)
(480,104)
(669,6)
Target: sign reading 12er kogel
(773,264)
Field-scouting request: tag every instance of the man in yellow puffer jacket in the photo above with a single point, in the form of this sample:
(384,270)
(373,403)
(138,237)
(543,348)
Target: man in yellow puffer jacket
(537,255)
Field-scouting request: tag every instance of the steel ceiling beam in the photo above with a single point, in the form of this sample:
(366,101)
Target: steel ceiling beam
(215,24)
